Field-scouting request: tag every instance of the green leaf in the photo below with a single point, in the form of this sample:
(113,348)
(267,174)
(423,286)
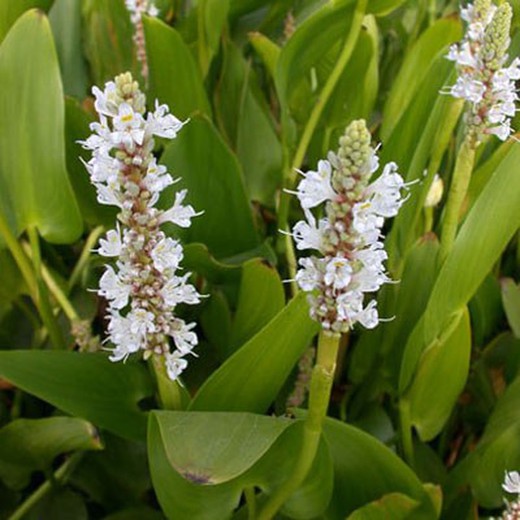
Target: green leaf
(174,76)
(393,505)
(368,470)
(10,11)
(260,299)
(417,65)
(251,378)
(108,40)
(496,216)
(65,18)
(27,445)
(34,187)
(213,178)
(511,302)
(237,441)
(448,358)
(85,385)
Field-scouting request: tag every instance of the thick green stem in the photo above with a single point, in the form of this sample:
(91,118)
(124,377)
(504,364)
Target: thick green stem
(317,111)
(458,190)
(43,303)
(319,396)
(169,391)
(59,477)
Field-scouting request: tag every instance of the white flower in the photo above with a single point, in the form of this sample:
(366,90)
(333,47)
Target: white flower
(307,235)
(435,192)
(106,102)
(112,288)
(338,272)
(385,192)
(512,482)
(349,304)
(175,365)
(112,245)
(177,291)
(309,276)
(185,340)
(179,214)
(502,131)
(129,127)
(316,187)
(120,335)
(167,254)
(163,124)
(157,178)
(368,317)
(141,322)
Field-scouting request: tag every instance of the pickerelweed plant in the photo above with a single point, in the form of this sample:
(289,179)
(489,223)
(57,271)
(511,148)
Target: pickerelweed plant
(488,88)
(144,287)
(348,237)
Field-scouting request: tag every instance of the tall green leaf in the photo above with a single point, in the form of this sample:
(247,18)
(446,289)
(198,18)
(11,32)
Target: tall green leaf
(251,378)
(174,76)
(34,187)
(10,11)
(212,175)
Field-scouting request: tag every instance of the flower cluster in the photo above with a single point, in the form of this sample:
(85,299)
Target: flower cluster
(512,485)
(483,80)
(349,234)
(137,8)
(144,288)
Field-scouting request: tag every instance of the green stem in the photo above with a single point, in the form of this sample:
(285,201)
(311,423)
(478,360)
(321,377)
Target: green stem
(458,189)
(19,256)
(250,495)
(319,396)
(323,99)
(85,255)
(59,477)
(169,391)
(55,289)
(43,303)
(406,432)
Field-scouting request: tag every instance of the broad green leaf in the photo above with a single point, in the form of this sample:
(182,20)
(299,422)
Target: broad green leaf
(258,147)
(511,301)
(77,123)
(213,178)
(237,441)
(215,319)
(174,76)
(368,470)
(66,21)
(84,385)
(258,451)
(496,216)
(393,505)
(448,359)
(34,188)
(251,378)
(260,299)
(108,40)
(417,64)
(28,445)
(10,11)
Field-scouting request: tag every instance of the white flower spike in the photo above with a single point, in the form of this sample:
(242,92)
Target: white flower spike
(349,237)
(483,80)
(144,288)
